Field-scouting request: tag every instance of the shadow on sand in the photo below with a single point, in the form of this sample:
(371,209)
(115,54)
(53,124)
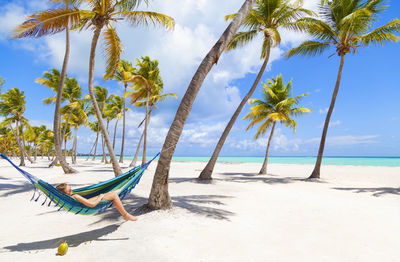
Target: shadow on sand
(72,240)
(375,191)
(268,179)
(197,204)
(201,205)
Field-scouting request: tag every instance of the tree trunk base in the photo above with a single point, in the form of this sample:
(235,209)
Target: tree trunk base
(205,174)
(314,175)
(162,202)
(262,172)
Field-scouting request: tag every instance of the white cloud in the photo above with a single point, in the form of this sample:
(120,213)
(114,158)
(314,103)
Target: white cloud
(37,122)
(323,111)
(11,15)
(331,124)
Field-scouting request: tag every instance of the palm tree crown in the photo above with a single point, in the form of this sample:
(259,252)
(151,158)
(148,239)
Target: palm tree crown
(346,25)
(276,106)
(266,18)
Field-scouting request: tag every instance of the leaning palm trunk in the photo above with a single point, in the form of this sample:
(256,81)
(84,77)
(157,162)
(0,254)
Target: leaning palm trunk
(263,169)
(133,163)
(207,171)
(73,153)
(36,149)
(95,148)
(121,157)
(66,125)
(56,123)
(317,167)
(91,150)
(21,151)
(116,167)
(115,132)
(102,148)
(159,197)
(146,124)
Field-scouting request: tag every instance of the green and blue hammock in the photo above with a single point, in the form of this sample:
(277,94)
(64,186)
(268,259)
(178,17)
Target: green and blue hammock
(126,182)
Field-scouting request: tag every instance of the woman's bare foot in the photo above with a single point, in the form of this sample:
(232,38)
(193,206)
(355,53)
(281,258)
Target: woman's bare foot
(129,217)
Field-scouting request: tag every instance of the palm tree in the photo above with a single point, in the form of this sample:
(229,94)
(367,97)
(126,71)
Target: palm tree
(124,75)
(79,117)
(276,106)
(95,128)
(12,106)
(50,22)
(72,92)
(102,98)
(115,109)
(345,25)
(151,102)
(265,19)
(159,197)
(147,82)
(33,136)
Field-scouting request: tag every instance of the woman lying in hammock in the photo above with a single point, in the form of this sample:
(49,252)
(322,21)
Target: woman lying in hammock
(94,201)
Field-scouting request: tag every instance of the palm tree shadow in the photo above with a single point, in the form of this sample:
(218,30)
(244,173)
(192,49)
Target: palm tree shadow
(268,179)
(12,189)
(376,192)
(72,240)
(197,204)
(178,180)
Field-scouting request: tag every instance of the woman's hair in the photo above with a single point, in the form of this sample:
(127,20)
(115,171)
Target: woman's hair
(62,187)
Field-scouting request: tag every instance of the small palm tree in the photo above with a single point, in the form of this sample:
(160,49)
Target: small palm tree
(115,109)
(79,118)
(12,106)
(146,83)
(345,25)
(265,19)
(276,106)
(33,136)
(102,98)
(95,128)
(151,102)
(124,75)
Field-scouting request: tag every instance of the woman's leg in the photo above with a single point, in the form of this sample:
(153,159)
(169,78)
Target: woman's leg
(118,205)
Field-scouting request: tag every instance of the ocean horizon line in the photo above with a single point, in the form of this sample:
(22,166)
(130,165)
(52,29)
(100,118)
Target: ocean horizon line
(308,160)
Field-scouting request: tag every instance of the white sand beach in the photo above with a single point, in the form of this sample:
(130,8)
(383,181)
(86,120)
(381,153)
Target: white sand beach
(352,214)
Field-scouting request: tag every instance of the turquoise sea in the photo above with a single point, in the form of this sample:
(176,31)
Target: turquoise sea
(329,160)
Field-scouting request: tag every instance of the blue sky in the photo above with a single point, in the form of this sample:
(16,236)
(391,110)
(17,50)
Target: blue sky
(365,122)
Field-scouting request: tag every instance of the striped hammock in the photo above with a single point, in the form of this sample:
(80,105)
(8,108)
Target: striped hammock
(126,182)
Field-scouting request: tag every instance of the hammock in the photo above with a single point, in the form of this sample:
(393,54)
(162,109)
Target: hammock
(126,182)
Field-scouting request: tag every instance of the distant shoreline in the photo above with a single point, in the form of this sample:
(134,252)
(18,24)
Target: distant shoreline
(307,160)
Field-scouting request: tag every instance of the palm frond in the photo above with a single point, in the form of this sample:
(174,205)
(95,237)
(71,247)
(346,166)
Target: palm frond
(308,48)
(241,39)
(113,51)
(382,34)
(137,18)
(47,22)
(230,17)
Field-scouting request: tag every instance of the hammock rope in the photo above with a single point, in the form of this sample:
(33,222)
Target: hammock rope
(125,182)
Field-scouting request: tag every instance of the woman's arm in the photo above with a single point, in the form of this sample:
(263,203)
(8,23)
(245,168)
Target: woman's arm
(89,202)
